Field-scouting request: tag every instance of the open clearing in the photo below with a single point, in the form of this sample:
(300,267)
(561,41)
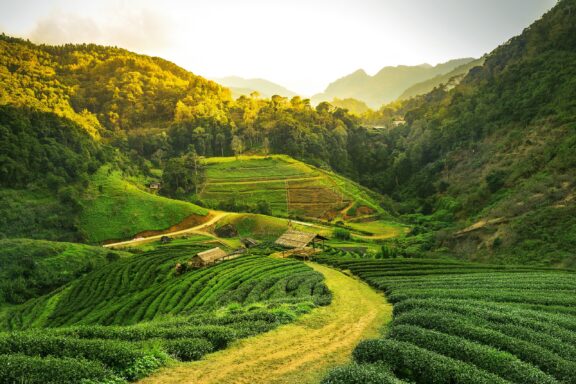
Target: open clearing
(300,352)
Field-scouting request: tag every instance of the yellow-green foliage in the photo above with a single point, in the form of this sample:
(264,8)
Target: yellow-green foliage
(115,209)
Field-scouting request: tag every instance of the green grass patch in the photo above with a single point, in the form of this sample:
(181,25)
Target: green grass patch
(117,209)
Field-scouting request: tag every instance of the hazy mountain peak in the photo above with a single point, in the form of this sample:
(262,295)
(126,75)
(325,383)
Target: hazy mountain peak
(387,84)
(242,86)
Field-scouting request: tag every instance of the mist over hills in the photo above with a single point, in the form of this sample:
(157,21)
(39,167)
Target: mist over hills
(385,86)
(241,86)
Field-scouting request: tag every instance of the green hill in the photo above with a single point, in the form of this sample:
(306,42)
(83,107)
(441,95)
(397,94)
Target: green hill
(114,208)
(495,154)
(282,186)
(32,268)
(447,80)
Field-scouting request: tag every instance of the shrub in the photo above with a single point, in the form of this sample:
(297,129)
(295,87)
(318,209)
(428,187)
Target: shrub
(188,349)
(342,234)
(361,374)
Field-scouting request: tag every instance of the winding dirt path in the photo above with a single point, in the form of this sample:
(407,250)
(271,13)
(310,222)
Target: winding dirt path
(217,215)
(300,352)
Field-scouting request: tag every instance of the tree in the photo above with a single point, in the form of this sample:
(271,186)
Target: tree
(237,146)
(266,146)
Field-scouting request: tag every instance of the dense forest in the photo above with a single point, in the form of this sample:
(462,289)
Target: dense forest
(498,145)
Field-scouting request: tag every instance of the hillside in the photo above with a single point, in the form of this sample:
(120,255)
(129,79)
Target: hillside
(115,209)
(386,85)
(93,332)
(241,86)
(32,268)
(103,88)
(282,186)
(495,155)
(448,80)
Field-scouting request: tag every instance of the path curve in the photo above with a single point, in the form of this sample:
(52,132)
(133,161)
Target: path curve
(217,215)
(300,352)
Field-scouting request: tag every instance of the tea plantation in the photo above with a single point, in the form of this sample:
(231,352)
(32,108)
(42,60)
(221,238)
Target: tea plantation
(136,314)
(457,322)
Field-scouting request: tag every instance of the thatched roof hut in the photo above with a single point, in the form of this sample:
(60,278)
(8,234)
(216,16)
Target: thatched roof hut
(210,256)
(296,239)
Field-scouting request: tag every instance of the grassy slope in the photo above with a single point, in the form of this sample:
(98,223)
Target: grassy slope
(289,186)
(116,209)
(299,352)
(31,268)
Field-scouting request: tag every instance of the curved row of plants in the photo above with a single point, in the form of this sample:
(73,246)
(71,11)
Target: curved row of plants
(459,322)
(125,320)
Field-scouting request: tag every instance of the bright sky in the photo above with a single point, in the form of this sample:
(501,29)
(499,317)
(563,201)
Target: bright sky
(301,44)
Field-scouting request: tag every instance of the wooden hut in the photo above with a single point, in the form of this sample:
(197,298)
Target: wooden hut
(295,239)
(211,256)
(248,242)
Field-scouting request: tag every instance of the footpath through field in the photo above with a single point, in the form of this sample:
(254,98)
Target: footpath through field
(300,352)
(216,216)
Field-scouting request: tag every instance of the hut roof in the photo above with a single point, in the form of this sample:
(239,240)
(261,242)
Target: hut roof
(296,239)
(211,255)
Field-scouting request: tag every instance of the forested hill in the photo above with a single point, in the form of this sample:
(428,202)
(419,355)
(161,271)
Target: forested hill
(498,151)
(104,88)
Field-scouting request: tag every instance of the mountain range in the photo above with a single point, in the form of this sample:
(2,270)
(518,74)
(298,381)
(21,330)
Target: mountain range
(386,85)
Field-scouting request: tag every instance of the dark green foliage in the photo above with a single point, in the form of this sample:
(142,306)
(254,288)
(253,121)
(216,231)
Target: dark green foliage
(120,357)
(31,268)
(412,363)
(51,370)
(40,147)
(361,374)
(188,349)
(342,234)
(463,322)
(184,316)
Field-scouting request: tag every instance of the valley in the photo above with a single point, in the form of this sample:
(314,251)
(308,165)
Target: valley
(415,226)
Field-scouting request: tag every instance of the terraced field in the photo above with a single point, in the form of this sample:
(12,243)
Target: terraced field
(457,322)
(128,318)
(288,186)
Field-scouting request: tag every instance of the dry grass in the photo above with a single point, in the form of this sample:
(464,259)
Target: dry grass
(301,352)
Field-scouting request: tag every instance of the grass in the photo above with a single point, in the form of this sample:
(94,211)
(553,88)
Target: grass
(379,228)
(116,209)
(300,352)
(262,227)
(290,187)
(463,322)
(31,268)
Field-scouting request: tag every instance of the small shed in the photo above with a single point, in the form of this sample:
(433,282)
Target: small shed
(154,186)
(249,242)
(296,239)
(211,256)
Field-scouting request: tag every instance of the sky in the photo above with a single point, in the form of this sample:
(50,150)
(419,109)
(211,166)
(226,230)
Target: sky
(301,44)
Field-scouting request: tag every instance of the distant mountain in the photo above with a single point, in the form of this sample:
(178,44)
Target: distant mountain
(387,85)
(449,80)
(240,86)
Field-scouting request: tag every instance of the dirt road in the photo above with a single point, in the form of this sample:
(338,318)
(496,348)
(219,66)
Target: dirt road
(300,352)
(217,215)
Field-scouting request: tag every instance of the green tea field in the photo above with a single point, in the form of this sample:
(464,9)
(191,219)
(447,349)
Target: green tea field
(457,322)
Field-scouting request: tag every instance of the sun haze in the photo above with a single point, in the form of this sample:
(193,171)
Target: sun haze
(303,45)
